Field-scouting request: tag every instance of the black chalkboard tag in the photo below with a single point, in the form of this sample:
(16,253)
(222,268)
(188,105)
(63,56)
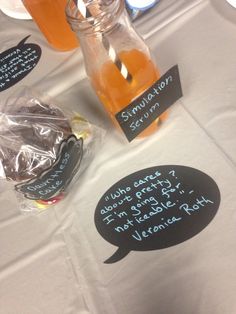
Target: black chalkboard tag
(17,62)
(145,109)
(56,179)
(156,208)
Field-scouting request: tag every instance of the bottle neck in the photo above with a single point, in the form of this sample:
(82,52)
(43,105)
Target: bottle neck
(93,17)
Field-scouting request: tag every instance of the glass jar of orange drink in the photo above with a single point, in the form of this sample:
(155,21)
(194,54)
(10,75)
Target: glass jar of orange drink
(50,17)
(117,60)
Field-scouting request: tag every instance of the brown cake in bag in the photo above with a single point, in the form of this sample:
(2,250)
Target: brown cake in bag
(41,149)
(30,139)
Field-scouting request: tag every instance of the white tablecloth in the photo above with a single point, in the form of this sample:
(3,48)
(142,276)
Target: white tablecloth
(53,263)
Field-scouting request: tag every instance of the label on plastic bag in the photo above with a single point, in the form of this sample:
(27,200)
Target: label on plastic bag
(55,179)
(145,109)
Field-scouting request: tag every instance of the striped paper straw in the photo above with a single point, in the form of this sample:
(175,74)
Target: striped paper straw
(85,12)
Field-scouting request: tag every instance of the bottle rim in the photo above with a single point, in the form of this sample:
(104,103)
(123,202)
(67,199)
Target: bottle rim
(103,15)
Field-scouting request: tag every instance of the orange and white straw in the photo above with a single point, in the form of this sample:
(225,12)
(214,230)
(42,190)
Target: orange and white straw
(85,12)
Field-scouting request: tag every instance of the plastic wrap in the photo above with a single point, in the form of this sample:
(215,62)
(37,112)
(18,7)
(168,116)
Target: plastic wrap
(43,149)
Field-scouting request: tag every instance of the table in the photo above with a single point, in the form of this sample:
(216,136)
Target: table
(53,263)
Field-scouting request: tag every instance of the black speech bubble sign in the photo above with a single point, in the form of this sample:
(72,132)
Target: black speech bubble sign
(54,180)
(156,208)
(17,62)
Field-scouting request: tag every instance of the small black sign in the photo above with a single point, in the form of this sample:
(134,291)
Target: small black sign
(156,208)
(138,115)
(17,62)
(54,180)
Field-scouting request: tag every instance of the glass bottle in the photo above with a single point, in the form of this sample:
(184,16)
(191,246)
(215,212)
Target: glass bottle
(94,21)
(50,17)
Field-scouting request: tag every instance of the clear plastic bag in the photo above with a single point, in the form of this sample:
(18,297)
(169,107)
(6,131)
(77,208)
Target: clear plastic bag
(43,149)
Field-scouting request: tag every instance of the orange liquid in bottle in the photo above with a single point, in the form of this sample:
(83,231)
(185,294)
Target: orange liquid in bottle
(116,93)
(51,19)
